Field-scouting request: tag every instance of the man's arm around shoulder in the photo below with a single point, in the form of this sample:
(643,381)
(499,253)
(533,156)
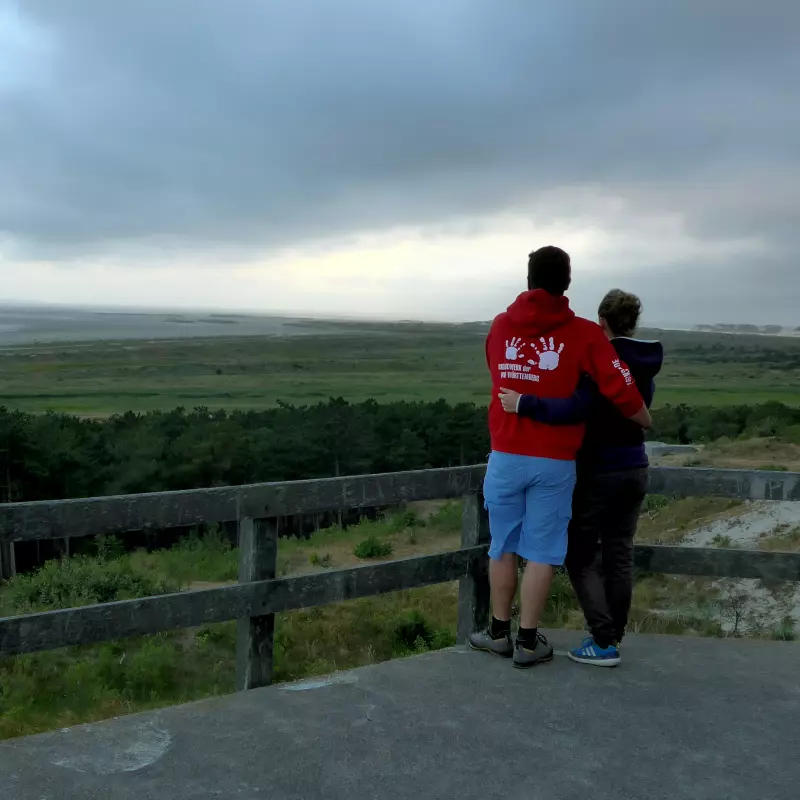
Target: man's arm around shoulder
(612,376)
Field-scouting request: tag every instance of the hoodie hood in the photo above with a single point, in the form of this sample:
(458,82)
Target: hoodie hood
(538,312)
(644,359)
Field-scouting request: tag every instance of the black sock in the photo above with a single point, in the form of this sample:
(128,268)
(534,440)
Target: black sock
(527,637)
(499,628)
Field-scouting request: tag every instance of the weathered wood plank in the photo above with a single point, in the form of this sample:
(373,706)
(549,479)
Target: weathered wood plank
(735,483)
(255,636)
(129,618)
(473,590)
(159,511)
(104,515)
(715,562)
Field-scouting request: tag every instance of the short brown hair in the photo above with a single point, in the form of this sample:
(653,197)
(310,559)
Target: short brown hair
(621,310)
(549,269)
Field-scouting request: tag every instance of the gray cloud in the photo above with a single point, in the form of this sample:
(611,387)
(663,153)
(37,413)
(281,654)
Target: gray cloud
(257,125)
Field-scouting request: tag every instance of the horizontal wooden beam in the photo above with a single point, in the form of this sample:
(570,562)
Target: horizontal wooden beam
(159,511)
(744,484)
(129,618)
(714,562)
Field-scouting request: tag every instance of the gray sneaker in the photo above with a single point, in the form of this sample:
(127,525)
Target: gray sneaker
(483,641)
(541,654)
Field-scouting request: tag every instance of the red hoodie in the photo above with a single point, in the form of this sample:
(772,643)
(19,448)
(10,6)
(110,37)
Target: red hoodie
(540,347)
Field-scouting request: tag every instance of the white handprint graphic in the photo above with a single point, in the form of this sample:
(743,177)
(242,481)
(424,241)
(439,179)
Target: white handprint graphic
(548,355)
(513,348)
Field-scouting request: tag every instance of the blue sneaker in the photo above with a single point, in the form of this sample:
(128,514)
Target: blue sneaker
(590,653)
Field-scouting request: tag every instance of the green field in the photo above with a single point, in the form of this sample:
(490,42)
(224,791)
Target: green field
(381,362)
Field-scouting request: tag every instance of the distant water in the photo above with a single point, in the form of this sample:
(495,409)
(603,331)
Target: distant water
(21,325)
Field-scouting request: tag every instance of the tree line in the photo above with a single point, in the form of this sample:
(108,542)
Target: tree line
(56,456)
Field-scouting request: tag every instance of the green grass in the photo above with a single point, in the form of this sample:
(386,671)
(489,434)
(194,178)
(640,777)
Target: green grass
(414,362)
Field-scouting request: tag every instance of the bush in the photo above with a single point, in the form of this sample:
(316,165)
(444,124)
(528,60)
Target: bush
(720,540)
(80,581)
(410,519)
(108,547)
(785,632)
(411,628)
(153,669)
(655,502)
(403,521)
(413,633)
(372,547)
(194,558)
(316,560)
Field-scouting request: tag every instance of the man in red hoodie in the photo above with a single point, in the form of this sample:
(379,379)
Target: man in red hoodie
(539,346)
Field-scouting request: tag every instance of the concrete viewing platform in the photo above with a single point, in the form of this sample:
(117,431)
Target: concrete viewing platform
(682,718)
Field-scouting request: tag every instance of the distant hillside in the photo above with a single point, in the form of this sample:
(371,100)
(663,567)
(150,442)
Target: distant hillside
(764,330)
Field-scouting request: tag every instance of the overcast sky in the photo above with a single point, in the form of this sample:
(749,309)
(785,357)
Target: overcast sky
(401,159)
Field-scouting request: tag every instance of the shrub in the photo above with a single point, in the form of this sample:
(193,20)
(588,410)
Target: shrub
(194,558)
(108,547)
(316,560)
(410,519)
(411,629)
(79,581)
(785,632)
(413,633)
(372,547)
(448,517)
(720,540)
(655,502)
(399,522)
(153,669)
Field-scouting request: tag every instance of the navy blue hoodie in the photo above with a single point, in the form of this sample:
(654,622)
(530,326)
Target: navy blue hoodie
(611,442)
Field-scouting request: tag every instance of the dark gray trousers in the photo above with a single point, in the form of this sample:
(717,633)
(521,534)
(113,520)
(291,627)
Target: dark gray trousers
(605,513)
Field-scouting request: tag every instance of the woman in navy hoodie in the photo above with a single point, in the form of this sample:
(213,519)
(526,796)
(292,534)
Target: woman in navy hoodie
(612,481)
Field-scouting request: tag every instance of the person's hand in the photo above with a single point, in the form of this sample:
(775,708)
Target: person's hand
(509,398)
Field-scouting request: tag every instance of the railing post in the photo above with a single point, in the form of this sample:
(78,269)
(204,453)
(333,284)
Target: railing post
(8,566)
(473,590)
(255,636)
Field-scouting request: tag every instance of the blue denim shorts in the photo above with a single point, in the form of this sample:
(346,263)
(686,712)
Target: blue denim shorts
(529,501)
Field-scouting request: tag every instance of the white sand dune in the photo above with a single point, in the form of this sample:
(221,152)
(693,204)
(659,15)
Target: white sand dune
(748,606)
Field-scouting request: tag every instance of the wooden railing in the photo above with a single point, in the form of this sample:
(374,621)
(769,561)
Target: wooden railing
(259,594)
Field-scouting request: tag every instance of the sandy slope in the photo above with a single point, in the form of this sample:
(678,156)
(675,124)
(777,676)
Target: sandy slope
(749,605)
